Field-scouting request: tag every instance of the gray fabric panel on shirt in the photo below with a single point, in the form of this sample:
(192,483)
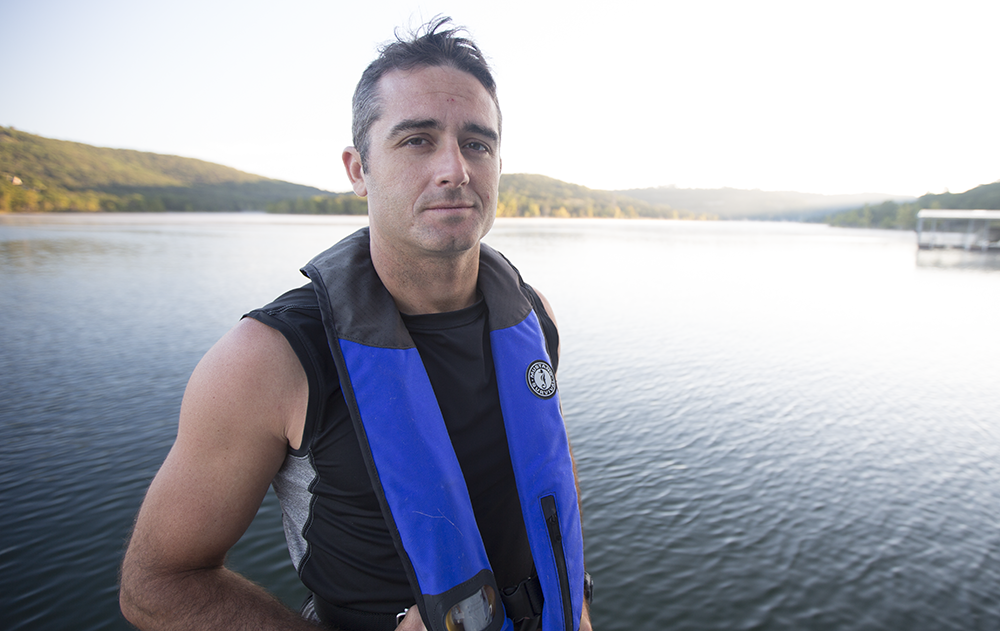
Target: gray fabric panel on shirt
(291,485)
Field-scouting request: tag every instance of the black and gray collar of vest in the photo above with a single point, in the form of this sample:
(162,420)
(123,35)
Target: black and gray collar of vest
(364,311)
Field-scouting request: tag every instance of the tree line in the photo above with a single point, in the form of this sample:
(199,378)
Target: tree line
(527,195)
(888,214)
(347,204)
(39,174)
(903,216)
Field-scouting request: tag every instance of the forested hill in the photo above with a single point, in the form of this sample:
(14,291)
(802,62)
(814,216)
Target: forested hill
(525,195)
(983,197)
(903,216)
(40,174)
(735,203)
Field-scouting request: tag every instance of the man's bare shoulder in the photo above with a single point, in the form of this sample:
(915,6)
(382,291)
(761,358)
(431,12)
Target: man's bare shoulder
(547,305)
(250,376)
(252,343)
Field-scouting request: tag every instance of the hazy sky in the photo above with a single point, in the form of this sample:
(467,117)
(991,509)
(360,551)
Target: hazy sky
(827,97)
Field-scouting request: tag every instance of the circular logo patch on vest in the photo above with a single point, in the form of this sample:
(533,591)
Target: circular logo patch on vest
(541,379)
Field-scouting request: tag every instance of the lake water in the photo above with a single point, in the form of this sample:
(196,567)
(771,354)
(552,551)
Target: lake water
(777,426)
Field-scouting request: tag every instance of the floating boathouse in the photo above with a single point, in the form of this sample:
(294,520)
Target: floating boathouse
(966,229)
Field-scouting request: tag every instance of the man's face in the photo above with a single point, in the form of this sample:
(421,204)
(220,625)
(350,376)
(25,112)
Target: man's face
(433,164)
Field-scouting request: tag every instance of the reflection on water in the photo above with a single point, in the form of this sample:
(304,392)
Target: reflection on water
(27,255)
(959,258)
(777,425)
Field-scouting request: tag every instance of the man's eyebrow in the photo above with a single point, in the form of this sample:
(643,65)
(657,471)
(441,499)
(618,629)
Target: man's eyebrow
(414,123)
(473,128)
(411,124)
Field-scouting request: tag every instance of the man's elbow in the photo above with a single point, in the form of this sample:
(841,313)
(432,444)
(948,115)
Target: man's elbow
(130,593)
(129,607)
(139,592)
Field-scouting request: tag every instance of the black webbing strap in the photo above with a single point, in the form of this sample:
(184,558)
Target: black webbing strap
(342,618)
(522,604)
(523,601)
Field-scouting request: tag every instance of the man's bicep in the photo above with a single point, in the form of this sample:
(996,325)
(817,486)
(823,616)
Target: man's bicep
(230,443)
(192,515)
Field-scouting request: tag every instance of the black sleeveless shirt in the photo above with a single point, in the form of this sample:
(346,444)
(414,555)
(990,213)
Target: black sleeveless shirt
(339,542)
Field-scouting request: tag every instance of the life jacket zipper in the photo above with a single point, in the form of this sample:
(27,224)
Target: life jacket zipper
(551,514)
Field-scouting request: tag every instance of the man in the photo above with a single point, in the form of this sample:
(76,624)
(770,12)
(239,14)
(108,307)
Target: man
(402,403)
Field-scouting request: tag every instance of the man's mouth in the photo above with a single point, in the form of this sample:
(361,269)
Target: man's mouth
(453,206)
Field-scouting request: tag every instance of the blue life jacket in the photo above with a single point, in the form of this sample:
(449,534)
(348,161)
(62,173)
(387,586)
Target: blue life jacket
(410,459)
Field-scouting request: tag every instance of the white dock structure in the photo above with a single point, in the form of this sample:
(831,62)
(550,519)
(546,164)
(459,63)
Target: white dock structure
(966,229)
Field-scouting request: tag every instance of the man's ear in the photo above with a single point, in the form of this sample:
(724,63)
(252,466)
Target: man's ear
(355,172)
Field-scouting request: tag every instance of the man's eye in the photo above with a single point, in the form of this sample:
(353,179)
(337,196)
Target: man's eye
(475,145)
(415,142)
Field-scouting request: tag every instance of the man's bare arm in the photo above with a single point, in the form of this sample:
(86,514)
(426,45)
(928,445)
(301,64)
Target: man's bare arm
(245,400)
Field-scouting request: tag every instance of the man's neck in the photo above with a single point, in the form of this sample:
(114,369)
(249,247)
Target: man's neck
(429,284)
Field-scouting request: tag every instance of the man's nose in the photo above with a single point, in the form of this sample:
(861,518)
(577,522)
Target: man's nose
(450,166)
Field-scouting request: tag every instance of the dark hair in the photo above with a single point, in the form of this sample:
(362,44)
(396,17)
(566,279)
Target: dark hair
(426,47)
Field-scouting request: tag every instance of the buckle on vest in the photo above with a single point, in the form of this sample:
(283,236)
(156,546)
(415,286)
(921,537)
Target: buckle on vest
(524,600)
